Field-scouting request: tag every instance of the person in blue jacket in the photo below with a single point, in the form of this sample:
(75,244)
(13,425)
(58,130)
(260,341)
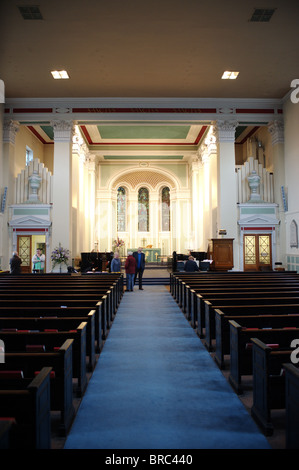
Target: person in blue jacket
(140,265)
(115,263)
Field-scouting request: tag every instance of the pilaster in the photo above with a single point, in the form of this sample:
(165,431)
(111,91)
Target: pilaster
(276,130)
(227,200)
(62,186)
(10,130)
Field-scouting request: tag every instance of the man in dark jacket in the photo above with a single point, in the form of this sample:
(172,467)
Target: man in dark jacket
(140,265)
(191,265)
(15,263)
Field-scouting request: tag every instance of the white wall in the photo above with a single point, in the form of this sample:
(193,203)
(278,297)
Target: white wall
(291,136)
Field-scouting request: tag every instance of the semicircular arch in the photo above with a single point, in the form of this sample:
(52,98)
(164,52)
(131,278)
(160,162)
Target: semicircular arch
(153,178)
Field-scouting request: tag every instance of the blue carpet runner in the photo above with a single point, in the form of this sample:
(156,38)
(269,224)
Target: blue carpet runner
(155,386)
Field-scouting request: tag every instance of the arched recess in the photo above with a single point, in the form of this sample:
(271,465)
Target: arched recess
(133,179)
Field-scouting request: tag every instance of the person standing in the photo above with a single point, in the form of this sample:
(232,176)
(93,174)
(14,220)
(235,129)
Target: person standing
(115,263)
(130,268)
(15,263)
(140,265)
(38,261)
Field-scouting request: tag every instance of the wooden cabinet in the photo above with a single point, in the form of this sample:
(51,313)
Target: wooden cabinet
(221,252)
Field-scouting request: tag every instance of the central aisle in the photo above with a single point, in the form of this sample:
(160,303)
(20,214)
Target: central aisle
(156,387)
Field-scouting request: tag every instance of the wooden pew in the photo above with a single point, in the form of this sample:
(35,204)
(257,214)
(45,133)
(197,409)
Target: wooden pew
(253,320)
(43,305)
(246,309)
(292,409)
(188,289)
(79,313)
(7,429)
(30,406)
(241,345)
(268,382)
(197,314)
(228,281)
(55,324)
(61,385)
(17,341)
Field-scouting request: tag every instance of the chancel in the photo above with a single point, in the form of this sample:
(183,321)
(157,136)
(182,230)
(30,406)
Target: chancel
(171,127)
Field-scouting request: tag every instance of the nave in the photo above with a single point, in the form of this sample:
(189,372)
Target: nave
(155,386)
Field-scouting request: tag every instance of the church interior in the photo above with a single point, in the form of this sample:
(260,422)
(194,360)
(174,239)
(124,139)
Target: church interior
(170,126)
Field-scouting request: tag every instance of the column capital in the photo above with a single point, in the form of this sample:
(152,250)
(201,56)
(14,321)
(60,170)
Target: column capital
(10,129)
(276,129)
(195,164)
(90,161)
(209,146)
(63,130)
(225,130)
(204,154)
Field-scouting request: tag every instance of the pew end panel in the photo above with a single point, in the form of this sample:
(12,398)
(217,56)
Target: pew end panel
(31,409)
(260,410)
(292,406)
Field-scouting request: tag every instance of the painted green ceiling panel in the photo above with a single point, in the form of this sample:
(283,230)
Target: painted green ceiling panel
(49,131)
(143,132)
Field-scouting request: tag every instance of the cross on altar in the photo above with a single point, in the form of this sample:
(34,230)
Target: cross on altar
(143,241)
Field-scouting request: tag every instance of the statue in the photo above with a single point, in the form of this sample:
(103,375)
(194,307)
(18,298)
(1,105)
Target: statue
(34,183)
(254,182)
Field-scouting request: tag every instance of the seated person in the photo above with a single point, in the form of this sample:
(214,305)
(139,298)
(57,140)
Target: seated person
(191,265)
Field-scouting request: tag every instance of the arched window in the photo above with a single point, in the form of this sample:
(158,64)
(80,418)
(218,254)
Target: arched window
(165,200)
(121,209)
(143,210)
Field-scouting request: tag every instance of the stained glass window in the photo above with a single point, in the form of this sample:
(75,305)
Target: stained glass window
(143,210)
(264,249)
(121,209)
(165,196)
(250,255)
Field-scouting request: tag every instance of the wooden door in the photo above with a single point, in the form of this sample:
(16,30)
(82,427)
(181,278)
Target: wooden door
(257,252)
(24,249)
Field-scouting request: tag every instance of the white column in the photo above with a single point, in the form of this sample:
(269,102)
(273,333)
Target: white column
(227,201)
(10,129)
(208,153)
(132,219)
(195,204)
(91,196)
(155,214)
(62,185)
(276,129)
(1,175)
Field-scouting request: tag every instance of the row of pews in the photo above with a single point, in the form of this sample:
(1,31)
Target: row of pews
(250,324)
(52,331)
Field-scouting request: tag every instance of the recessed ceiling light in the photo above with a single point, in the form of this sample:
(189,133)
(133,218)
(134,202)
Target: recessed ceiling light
(228,75)
(263,15)
(30,12)
(60,74)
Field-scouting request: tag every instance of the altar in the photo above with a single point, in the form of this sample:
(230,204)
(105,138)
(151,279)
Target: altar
(152,255)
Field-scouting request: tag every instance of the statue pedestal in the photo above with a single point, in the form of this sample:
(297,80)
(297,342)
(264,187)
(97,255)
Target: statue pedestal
(59,268)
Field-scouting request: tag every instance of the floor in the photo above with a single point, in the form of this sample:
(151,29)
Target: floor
(155,386)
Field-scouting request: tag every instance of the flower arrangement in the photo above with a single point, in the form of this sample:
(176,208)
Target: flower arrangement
(60,255)
(118,243)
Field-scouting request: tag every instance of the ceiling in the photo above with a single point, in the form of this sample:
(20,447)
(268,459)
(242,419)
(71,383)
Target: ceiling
(159,48)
